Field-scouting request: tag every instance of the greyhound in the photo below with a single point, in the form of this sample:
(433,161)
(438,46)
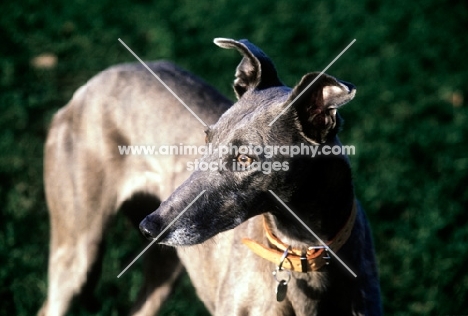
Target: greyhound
(87,181)
(254,255)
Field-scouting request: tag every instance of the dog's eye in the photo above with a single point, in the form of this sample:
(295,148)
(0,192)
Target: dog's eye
(244,160)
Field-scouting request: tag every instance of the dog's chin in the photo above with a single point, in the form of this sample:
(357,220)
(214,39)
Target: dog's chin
(184,237)
(181,238)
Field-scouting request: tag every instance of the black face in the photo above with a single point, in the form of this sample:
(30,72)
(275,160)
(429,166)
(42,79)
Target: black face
(237,180)
(252,156)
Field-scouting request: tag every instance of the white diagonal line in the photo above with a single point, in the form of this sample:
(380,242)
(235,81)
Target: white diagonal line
(315,235)
(162,82)
(316,78)
(160,234)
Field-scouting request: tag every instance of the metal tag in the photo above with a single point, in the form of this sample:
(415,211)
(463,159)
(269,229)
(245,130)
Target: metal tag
(281,290)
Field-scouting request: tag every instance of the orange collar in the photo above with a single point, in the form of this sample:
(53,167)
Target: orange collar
(297,260)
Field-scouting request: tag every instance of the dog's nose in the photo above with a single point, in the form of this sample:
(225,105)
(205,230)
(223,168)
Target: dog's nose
(145,229)
(146,233)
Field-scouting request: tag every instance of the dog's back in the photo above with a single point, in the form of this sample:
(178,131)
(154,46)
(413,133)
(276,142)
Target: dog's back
(90,172)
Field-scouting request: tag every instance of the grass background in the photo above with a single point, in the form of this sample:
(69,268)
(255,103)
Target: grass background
(409,123)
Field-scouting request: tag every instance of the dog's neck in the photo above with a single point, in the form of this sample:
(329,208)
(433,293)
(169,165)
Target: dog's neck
(294,234)
(322,198)
(319,216)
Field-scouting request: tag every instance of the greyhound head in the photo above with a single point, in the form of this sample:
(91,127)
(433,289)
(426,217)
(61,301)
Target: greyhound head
(269,115)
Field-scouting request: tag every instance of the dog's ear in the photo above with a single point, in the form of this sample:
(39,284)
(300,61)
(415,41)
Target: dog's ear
(255,71)
(318,99)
